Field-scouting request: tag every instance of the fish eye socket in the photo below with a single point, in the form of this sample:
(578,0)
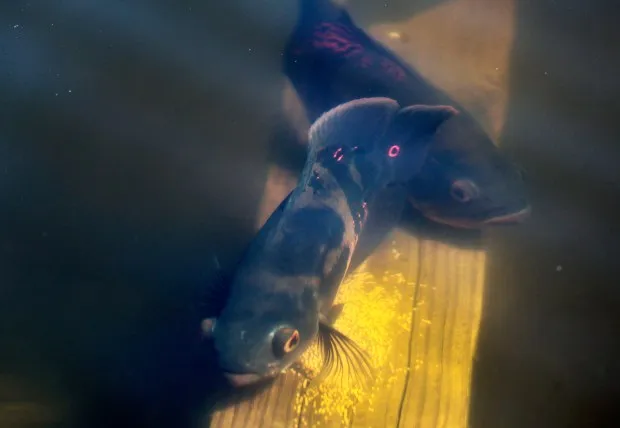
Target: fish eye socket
(463,191)
(285,340)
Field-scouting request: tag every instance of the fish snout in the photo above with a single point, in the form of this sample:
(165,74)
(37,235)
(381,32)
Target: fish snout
(514,218)
(238,380)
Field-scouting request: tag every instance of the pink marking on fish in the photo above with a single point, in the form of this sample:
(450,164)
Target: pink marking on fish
(366,61)
(337,38)
(394,151)
(393,69)
(334,37)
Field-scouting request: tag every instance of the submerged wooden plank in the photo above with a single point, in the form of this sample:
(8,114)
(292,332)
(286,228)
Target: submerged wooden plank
(445,326)
(273,407)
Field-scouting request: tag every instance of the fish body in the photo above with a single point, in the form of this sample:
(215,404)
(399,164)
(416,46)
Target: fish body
(281,295)
(465,182)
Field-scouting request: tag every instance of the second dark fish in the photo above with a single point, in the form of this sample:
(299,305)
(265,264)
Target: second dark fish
(465,182)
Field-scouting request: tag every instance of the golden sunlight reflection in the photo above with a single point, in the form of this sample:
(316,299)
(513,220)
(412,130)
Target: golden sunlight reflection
(419,327)
(371,318)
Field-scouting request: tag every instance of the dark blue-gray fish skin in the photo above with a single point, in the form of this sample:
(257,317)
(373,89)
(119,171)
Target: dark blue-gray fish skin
(291,272)
(465,182)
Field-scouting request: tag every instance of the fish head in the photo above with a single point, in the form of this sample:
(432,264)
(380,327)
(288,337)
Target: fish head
(466,182)
(380,142)
(258,336)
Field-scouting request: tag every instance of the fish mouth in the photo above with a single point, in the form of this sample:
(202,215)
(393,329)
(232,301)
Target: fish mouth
(238,380)
(246,379)
(464,223)
(514,218)
(456,223)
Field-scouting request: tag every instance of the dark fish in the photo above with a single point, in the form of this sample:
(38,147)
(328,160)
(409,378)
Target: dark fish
(465,181)
(281,294)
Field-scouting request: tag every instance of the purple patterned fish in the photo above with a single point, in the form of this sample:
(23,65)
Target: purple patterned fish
(465,181)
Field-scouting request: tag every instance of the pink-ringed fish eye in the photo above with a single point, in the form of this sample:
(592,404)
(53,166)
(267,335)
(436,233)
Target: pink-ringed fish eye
(394,151)
(285,340)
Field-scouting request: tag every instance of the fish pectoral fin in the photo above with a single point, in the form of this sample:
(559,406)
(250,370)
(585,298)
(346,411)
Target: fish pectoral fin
(334,313)
(342,356)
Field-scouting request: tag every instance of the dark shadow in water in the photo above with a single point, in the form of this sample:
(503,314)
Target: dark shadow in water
(546,354)
(286,149)
(133,152)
